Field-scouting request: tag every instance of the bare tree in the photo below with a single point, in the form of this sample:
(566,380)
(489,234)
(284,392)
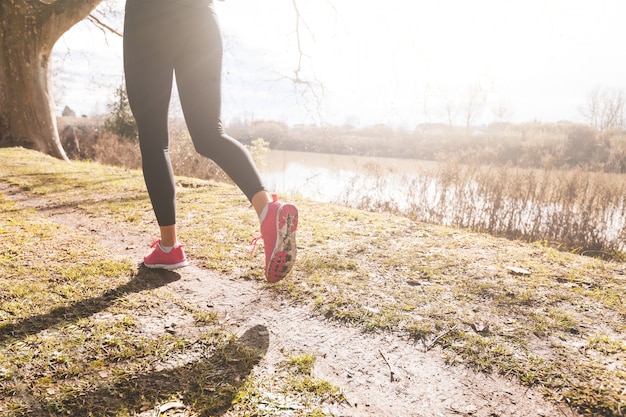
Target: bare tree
(449,105)
(450,109)
(426,104)
(604,109)
(304,78)
(501,110)
(28,31)
(474,103)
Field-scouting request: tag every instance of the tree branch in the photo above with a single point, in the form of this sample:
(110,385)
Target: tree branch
(298,42)
(102,25)
(314,87)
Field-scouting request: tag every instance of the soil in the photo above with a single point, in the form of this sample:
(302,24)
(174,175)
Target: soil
(379,374)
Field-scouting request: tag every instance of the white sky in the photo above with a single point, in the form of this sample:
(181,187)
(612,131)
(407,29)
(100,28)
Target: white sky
(400,62)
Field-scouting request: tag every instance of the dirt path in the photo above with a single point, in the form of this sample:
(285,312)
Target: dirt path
(380,374)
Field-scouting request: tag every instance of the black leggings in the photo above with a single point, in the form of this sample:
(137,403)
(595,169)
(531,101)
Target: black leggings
(162,37)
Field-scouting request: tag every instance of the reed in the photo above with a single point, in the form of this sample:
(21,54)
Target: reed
(575,209)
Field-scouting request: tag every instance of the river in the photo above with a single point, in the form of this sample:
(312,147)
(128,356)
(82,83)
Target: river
(341,179)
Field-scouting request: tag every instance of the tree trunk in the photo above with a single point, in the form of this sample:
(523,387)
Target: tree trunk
(28,31)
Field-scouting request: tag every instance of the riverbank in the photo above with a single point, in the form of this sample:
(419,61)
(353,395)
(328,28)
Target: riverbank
(544,319)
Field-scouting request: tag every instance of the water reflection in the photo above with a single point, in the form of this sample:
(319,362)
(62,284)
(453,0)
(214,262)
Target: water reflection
(341,178)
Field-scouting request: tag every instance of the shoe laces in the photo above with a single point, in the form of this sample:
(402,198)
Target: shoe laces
(254,242)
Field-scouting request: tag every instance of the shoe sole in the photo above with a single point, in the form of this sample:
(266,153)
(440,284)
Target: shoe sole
(168,267)
(284,254)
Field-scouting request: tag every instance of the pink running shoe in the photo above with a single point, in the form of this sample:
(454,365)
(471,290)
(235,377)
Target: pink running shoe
(278,231)
(173,259)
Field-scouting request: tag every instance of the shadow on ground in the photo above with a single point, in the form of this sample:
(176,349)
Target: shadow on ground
(145,279)
(207,387)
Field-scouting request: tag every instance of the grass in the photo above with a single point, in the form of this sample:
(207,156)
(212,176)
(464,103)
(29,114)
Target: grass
(291,390)
(561,327)
(85,334)
(71,327)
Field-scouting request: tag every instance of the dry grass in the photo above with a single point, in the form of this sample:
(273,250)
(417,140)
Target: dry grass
(556,323)
(577,210)
(86,139)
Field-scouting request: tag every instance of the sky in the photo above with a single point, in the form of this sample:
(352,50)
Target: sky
(397,62)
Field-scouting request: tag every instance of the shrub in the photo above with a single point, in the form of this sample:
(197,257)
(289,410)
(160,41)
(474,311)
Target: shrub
(120,120)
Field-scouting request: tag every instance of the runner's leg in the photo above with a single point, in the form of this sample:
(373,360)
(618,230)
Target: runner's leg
(148,63)
(198,76)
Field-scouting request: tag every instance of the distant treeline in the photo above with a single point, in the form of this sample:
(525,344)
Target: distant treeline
(529,145)
(561,145)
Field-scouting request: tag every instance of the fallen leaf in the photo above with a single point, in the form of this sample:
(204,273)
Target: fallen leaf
(171,405)
(482,327)
(517,271)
